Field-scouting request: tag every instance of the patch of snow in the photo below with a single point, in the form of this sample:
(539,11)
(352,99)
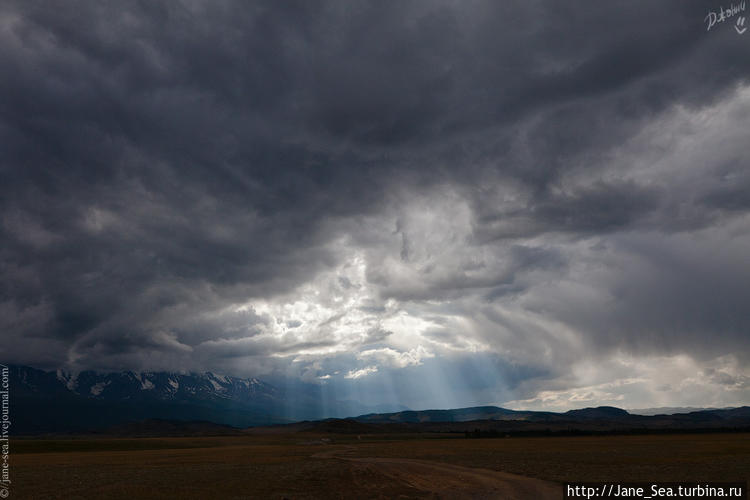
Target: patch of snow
(146,384)
(70,380)
(216,385)
(175,385)
(97,389)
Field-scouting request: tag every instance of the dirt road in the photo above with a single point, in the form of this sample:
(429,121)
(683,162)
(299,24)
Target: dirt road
(439,480)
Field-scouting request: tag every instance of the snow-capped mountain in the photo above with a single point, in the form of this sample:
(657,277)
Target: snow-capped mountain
(48,400)
(166,386)
(54,401)
(132,386)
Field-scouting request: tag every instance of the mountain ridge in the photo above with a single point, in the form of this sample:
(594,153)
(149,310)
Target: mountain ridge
(50,401)
(61,401)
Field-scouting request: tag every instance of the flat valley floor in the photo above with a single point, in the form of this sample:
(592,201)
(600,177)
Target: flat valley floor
(302,465)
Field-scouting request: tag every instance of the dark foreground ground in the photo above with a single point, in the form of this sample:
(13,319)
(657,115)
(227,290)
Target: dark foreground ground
(305,465)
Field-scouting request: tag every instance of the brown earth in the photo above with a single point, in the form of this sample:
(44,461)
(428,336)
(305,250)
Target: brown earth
(301,465)
(449,481)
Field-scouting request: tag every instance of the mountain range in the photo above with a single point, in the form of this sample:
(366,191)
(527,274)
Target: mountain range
(58,401)
(598,419)
(54,401)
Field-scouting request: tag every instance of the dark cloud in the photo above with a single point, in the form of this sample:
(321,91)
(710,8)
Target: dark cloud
(174,175)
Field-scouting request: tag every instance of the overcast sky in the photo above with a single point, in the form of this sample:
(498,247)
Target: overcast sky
(534,204)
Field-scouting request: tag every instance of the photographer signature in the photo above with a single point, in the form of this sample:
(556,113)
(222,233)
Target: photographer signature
(715,17)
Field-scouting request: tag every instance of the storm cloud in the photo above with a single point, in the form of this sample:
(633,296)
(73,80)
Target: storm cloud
(530,203)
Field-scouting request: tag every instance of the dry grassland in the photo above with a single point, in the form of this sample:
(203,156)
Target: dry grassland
(305,466)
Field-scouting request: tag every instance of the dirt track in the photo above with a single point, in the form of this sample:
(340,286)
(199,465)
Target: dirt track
(439,480)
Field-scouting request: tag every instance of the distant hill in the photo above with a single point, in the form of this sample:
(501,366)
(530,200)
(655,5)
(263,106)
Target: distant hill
(598,419)
(669,410)
(600,412)
(458,415)
(484,413)
(455,415)
(156,427)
